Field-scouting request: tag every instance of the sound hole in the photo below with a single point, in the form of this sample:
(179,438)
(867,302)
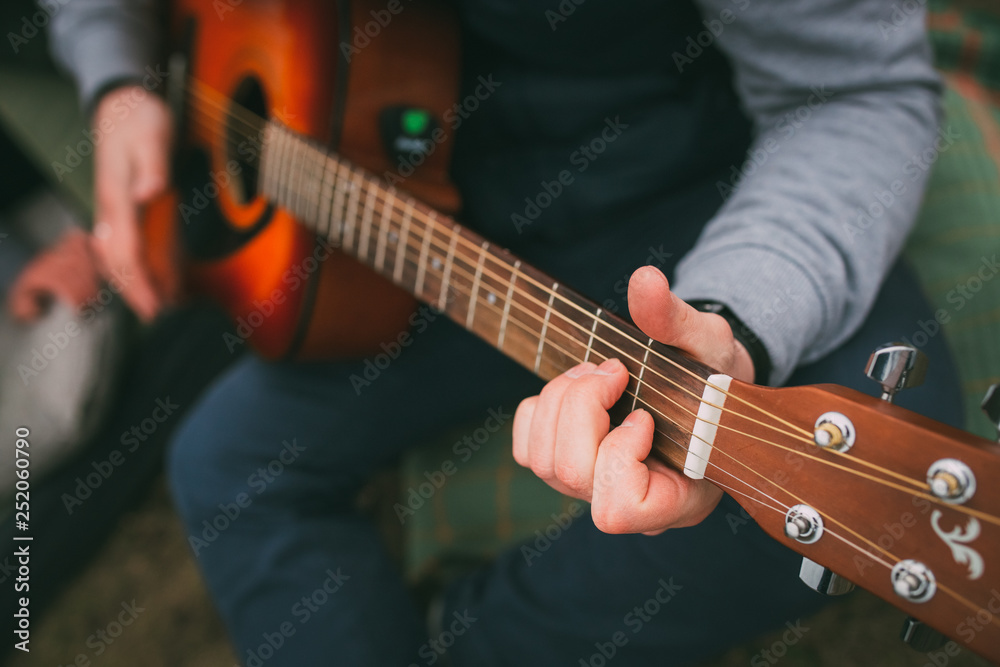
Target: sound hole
(244,134)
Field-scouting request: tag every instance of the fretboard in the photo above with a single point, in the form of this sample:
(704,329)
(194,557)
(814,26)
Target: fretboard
(541,324)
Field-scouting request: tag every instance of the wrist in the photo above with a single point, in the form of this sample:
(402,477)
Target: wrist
(748,346)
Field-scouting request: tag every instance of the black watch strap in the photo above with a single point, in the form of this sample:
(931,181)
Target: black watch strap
(742,333)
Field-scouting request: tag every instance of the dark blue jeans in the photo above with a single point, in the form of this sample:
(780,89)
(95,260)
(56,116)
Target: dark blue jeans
(266,470)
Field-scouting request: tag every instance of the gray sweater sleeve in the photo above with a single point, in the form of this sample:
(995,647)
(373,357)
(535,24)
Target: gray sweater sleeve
(844,99)
(102,41)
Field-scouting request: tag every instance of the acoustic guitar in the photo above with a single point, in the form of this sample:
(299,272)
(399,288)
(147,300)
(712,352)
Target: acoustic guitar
(312,202)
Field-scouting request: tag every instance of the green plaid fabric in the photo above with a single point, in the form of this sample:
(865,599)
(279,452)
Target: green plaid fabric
(956,244)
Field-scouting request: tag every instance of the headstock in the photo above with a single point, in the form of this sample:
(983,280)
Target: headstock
(901,505)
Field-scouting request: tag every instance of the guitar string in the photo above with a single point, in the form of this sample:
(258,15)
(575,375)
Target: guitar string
(952,593)
(919,484)
(238,112)
(429,227)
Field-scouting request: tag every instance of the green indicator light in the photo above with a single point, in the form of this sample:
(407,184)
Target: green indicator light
(415,121)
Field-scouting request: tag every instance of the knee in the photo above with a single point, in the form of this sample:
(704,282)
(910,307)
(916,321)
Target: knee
(196,479)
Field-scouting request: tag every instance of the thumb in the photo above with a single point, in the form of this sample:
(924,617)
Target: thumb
(669,319)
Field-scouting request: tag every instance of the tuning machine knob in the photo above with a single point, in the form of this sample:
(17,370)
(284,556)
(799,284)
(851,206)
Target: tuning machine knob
(823,580)
(896,366)
(991,405)
(920,636)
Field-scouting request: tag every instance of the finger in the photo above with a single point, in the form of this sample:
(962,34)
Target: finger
(522,426)
(118,249)
(25,302)
(545,420)
(669,319)
(584,423)
(150,163)
(631,496)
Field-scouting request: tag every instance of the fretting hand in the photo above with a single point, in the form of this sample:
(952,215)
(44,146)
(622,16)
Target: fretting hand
(563,434)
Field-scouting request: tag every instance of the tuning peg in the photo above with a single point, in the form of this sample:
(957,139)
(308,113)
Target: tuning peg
(896,366)
(822,580)
(991,405)
(920,636)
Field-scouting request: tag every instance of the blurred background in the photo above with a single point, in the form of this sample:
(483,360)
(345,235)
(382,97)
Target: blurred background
(106,541)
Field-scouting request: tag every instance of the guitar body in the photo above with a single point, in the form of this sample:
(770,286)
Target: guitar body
(326,70)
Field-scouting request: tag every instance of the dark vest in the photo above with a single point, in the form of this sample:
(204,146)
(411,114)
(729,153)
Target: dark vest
(591,124)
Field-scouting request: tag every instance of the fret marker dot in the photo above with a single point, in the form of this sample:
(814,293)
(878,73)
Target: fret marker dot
(393,237)
(436,263)
(491,298)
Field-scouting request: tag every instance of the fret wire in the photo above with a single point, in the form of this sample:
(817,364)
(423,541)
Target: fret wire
(379,262)
(593,329)
(296,175)
(324,217)
(353,198)
(404,239)
(642,369)
(338,207)
(288,188)
(442,298)
(424,250)
(316,192)
(311,183)
(475,284)
(267,162)
(545,326)
(282,164)
(506,304)
(366,230)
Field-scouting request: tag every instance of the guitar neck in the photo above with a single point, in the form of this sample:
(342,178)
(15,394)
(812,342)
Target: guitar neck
(525,314)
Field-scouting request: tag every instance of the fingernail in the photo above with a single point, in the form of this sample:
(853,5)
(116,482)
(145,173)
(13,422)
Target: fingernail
(632,419)
(606,367)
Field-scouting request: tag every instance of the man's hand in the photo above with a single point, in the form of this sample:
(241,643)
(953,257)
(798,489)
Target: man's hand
(563,434)
(130,169)
(65,272)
